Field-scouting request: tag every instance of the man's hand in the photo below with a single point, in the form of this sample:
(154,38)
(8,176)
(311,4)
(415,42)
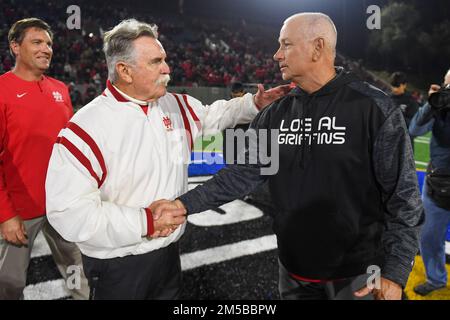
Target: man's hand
(389,290)
(264,98)
(167,216)
(13,231)
(159,206)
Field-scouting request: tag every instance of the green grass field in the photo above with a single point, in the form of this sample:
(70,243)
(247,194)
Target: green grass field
(422,151)
(208,143)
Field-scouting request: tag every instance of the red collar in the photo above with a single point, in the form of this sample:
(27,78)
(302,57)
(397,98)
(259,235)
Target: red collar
(120,97)
(115,93)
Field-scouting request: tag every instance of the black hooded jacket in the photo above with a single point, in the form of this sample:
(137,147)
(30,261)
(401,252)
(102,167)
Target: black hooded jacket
(346,190)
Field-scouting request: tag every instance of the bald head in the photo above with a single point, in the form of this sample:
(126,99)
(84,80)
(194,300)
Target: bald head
(307,50)
(314,25)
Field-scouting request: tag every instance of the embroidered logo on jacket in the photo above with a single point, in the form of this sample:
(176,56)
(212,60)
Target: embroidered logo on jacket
(167,123)
(57,96)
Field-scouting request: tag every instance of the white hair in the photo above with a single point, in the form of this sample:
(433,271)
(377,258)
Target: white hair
(118,43)
(317,25)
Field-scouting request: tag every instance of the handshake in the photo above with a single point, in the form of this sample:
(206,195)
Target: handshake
(167,217)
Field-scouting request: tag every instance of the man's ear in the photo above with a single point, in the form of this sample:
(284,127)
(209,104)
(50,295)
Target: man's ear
(319,47)
(14,48)
(124,71)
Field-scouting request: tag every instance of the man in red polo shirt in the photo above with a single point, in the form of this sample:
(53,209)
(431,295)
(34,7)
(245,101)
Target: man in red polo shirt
(33,109)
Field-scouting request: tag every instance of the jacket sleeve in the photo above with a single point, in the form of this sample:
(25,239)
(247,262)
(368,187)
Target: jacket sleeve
(234,181)
(422,122)
(395,172)
(74,204)
(7,210)
(223,114)
(227,185)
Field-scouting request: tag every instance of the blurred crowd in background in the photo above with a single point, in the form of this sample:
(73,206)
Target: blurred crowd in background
(201,52)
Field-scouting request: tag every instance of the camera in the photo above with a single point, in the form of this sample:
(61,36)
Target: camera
(440,100)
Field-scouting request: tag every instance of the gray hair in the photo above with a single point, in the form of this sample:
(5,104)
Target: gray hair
(118,43)
(319,25)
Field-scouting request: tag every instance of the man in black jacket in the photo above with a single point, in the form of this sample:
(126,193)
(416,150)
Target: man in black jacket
(346,188)
(403,99)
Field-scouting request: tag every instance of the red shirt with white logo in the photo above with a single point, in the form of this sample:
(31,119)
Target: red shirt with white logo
(32,113)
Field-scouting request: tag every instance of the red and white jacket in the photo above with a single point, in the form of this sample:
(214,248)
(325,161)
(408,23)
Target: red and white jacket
(116,157)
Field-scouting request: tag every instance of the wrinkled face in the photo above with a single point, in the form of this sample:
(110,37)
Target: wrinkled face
(35,51)
(295,53)
(150,71)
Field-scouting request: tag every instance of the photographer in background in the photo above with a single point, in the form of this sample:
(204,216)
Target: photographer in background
(403,99)
(435,117)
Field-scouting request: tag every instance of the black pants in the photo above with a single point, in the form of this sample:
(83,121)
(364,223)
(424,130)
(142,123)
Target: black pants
(153,275)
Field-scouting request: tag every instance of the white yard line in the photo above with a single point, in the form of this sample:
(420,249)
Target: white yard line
(48,290)
(55,289)
(227,252)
